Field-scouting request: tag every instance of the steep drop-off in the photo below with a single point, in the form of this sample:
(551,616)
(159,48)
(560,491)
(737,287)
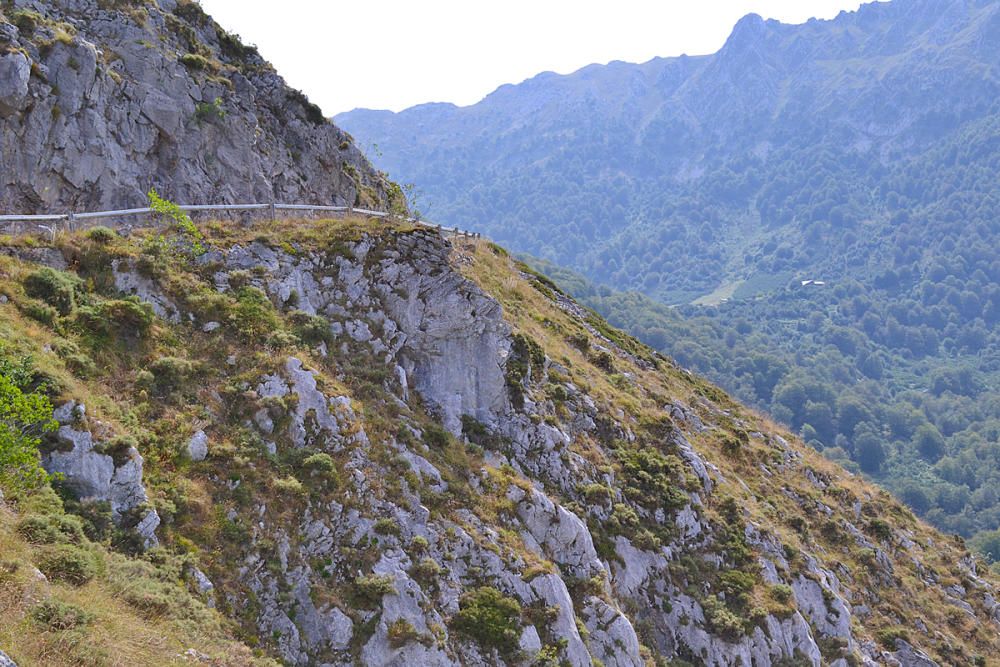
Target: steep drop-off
(363,443)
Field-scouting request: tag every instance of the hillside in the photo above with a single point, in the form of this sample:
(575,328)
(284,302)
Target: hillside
(101,100)
(859,152)
(360,442)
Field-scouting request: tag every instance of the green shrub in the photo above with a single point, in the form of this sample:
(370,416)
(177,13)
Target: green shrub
(320,462)
(171,374)
(289,485)
(721,619)
(209,111)
(372,588)
(178,219)
(781,593)
(401,632)
(56,615)
(127,318)
(56,288)
(194,61)
(69,563)
(51,528)
(436,436)
(253,317)
(426,571)
(887,637)
(39,311)
(24,417)
(118,448)
(490,618)
(311,329)
(102,234)
(880,529)
(386,526)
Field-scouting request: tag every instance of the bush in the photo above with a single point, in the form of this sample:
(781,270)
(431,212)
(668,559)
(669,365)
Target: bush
(102,234)
(311,329)
(24,417)
(69,563)
(781,593)
(171,374)
(40,312)
(319,463)
(289,485)
(887,637)
(721,619)
(194,61)
(178,219)
(386,526)
(372,588)
(56,288)
(51,529)
(128,318)
(253,316)
(426,571)
(401,632)
(436,436)
(56,615)
(490,618)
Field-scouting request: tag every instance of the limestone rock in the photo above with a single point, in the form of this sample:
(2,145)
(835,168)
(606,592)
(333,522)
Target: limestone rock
(197,446)
(93,475)
(612,639)
(15,71)
(81,136)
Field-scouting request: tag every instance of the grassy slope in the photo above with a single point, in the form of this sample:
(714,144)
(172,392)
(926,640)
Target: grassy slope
(193,506)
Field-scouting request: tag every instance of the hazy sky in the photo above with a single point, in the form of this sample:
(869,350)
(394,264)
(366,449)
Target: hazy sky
(392,54)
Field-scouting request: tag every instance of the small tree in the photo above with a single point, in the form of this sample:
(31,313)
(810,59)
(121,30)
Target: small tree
(178,219)
(24,417)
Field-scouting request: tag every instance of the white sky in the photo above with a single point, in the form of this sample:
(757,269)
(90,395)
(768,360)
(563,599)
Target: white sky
(392,54)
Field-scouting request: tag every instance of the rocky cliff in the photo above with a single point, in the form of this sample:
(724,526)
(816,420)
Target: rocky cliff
(372,445)
(101,100)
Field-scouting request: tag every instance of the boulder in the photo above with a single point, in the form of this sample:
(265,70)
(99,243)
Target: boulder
(197,446)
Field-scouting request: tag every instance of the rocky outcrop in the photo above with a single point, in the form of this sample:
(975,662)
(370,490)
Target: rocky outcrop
(114,477)
(101,101)
(609,564)
(5,660)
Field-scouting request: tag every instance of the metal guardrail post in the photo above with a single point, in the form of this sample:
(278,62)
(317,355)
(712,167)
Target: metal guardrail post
(274,212)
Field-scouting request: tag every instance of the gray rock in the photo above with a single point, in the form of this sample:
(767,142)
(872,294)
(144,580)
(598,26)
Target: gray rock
(559,533)
(93,475)
(908,656)
(197,446)
(551,590)
(15,71)
(612,639)
(5,660)
(530,642)
(135,123)
(131,282)
(209,327)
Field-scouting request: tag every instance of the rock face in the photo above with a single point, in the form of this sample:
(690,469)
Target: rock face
(98,104)
(115,478)
(410,449)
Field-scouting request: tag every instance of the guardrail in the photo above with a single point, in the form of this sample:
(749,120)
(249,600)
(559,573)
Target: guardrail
(71,219)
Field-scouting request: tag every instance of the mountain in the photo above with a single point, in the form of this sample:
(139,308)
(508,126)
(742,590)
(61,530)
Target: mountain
(101,100)
(359,441)
(350,441)
(819,201)
(780,153)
